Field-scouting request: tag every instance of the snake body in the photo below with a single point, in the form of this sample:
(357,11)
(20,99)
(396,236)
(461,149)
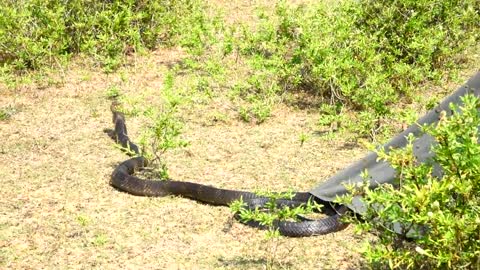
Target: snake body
(123,178)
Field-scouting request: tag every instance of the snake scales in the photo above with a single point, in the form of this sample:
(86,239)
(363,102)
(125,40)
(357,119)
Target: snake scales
(123,178)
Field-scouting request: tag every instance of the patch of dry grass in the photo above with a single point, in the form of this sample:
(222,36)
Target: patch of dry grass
(58,210)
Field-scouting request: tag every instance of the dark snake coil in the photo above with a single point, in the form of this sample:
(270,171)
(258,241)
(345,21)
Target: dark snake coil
(123,178)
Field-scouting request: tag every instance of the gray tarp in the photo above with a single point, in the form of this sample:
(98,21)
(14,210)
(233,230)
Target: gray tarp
(381,172)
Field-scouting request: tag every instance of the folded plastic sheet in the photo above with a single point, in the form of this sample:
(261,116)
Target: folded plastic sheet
(380,172)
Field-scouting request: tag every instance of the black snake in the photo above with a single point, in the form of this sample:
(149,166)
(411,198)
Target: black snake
(123,178)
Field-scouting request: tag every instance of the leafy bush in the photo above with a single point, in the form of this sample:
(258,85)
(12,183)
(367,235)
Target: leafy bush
(164,129)
(39,33)
(365,54)
(437,217)
(161,134)
(416,40)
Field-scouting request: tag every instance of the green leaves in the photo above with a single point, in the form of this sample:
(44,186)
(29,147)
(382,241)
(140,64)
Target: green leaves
(441,215)
(272,211)
(364,54)
(46,30)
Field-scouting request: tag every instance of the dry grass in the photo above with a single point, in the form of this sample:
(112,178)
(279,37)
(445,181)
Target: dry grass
(58,210)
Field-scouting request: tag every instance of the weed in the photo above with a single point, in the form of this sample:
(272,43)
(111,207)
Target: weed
(303,138)
(203,86)
(244,114)
(408,116)
(172,96)
(100,240)
(163,129)
(160,135)
(330,114)
(113,92)
(271,213)
(7,112)
(83,220)
(431,103)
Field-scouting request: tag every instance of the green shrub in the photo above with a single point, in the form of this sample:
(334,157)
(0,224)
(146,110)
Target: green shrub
(439,216)
(416,40)
(364,54)
(39,33)
(32,32)
(162,133)
(163,129)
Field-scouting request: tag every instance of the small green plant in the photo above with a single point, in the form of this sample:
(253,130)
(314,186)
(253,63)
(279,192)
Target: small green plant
(269,215)
(83,220)
(261,110)
(258,110)
(100,239)
(204,86)
(427,219)
(113,92)
(163,130)
(272,212)
(7,112)
(244,114)
(171,96)
(303,138)
(160,135)
(332,116)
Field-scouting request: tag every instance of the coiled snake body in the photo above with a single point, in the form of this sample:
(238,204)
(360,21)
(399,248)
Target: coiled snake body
(123,178)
